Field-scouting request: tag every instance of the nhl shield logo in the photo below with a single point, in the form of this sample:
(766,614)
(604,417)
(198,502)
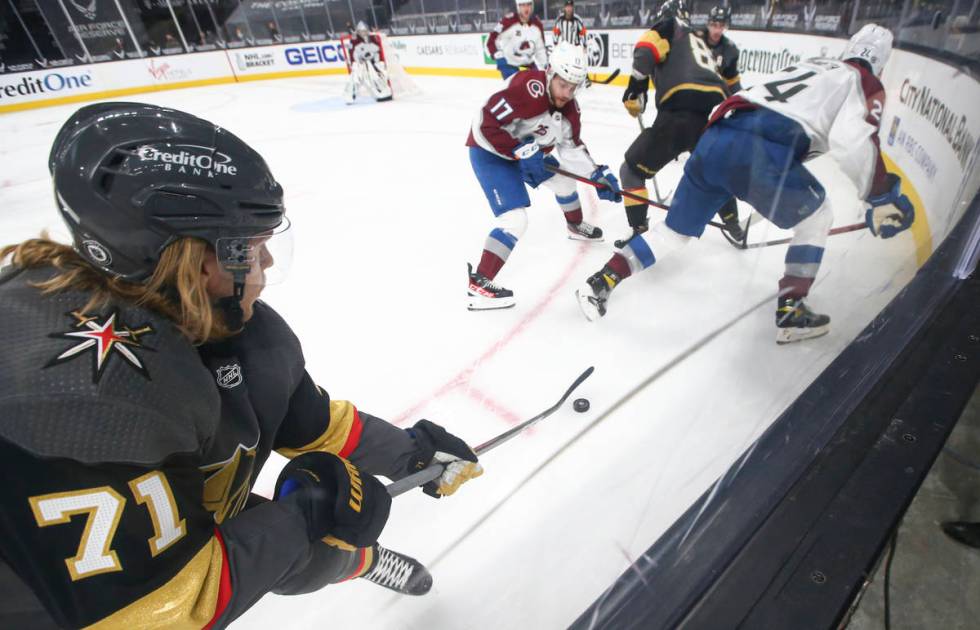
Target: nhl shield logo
(229,376)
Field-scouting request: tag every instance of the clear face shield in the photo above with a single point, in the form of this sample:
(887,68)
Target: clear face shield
(258,260)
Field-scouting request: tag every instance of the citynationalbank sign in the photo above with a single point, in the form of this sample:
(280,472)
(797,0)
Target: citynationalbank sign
(952,125)
(52,82)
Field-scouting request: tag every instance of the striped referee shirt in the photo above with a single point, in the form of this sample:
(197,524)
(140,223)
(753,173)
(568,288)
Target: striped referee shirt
(572,31)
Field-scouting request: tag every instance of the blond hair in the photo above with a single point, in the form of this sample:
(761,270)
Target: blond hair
(177,289)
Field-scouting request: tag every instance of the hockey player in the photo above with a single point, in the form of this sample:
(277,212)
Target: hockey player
(724,50)
(688,87)
(514,136)
(147,386)
(518,41)
(755,149)
(569,27)
(367,68)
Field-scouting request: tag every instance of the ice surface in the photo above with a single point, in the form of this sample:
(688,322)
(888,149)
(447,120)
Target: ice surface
(386,213)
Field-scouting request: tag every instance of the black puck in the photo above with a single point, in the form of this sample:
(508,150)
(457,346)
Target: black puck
(581,405)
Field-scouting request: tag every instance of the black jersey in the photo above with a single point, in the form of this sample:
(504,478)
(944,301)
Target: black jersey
(128,457)
(569,30)
(725,53)
(684,72)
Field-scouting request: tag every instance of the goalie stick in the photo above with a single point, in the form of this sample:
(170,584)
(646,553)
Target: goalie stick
(432,472)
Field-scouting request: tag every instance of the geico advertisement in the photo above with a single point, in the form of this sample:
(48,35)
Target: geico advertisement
(33,86)
(930,128)
(286,58)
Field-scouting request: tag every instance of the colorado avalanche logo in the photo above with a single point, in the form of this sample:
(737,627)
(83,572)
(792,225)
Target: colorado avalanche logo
(535,88)
(106,337)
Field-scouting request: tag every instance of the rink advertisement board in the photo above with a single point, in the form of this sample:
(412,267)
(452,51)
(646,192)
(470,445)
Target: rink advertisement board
(929,133)
(930,129)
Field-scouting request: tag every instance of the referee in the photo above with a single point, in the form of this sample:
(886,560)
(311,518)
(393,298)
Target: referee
(569,27)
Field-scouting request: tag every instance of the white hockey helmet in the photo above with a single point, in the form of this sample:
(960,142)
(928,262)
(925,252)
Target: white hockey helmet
(872,43)
(518,3)
(569,62)
(361,29)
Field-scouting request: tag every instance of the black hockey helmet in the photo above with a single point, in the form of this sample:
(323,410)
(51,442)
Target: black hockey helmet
(130,178)
(722,14)
(677,9)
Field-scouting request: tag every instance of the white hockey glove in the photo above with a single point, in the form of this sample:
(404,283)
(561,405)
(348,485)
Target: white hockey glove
(436,445)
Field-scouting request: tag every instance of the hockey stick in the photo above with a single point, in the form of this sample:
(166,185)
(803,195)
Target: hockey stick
(432,472)
(656,188)
(612,76)
(648,381)
(585,180)
(782,241)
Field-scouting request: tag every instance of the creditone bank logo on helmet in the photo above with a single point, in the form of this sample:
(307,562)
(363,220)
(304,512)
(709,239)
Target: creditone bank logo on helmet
(191,159)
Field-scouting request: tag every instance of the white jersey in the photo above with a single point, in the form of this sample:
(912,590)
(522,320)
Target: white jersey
(518,43)
(839,108)
(365,51)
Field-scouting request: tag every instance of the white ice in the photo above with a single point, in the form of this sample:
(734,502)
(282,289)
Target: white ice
(386,213)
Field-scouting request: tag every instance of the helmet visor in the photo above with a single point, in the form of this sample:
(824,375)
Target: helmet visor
(261,259)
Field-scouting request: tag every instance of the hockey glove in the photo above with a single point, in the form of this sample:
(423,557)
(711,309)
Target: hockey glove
(890,212)
(335,498)
(506,70)
(532,162)
(635,96)
(436,445)
(609,189)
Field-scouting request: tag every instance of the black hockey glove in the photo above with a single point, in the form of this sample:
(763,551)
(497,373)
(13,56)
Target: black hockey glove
(436,445)
(635,96)
(336,499)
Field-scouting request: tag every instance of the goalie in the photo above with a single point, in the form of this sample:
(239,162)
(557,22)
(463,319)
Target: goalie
(368,70)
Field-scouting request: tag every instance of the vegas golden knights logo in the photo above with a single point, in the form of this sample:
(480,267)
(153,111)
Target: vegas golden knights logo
(228,483)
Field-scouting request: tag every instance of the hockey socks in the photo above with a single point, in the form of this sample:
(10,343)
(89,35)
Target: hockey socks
(636,211)
(496,251)
(571,206)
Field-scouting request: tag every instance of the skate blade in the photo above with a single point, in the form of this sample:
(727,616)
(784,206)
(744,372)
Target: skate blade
(580,237)
(792,335)
(476,303)
(588,308)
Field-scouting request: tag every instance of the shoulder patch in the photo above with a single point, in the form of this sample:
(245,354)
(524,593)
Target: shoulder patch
(104,338)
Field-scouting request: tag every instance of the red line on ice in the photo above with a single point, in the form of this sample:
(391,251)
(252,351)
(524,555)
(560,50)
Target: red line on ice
(463,376)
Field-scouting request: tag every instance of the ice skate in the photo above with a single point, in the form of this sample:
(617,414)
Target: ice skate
(593,296)
(584,232)
(795,322)
(640,229)
(732,229)
(484,295)
(399,573)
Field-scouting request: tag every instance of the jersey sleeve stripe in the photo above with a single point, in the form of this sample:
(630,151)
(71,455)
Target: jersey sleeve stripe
(656,44)
(341,437)
(353,436)
(224,586)
(732,81)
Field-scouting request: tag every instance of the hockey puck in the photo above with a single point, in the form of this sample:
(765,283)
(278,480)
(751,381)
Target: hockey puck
(581,405)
